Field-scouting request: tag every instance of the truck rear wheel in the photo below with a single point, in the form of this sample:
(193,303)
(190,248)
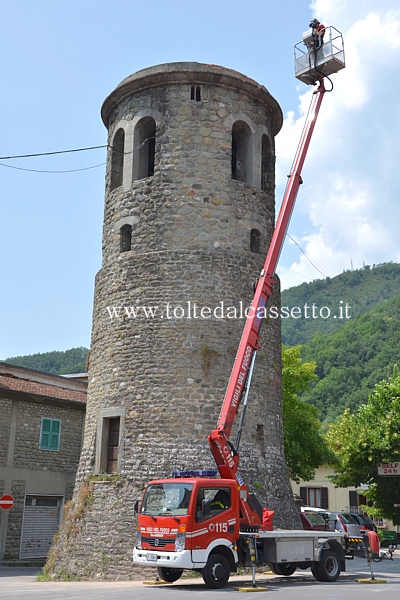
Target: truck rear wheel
(328,568)
(169,575)
(216,572)
(273,569)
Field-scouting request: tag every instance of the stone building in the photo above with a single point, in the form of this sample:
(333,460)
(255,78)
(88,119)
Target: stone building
(41,434)
(189,213)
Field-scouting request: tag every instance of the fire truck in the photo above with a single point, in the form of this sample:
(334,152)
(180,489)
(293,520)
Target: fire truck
(208,521)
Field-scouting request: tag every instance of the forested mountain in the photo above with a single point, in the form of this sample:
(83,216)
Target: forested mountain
(353,359)
(361,290)
(57,363)
(351,355)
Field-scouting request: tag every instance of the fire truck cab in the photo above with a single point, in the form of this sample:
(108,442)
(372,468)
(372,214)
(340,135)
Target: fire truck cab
(193,521)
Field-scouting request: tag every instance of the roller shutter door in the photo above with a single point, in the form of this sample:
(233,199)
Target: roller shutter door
(40,524)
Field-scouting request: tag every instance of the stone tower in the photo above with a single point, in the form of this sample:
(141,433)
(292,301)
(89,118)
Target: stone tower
(189,213)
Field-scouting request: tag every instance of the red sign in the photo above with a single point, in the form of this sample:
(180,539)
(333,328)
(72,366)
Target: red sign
(392,468)
(6,502)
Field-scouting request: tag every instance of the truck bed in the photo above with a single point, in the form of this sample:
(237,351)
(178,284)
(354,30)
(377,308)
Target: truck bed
(294,533)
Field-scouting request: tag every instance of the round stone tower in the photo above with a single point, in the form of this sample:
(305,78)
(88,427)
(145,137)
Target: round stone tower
(189,213)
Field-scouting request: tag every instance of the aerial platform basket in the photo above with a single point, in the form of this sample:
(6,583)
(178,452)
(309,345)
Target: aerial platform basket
(310,64)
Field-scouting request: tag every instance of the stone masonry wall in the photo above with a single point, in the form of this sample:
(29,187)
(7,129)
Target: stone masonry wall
(28,455)
(15,516)
(5,411)
(171,373)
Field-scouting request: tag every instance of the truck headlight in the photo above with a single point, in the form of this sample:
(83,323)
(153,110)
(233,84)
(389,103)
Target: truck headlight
(139,540)
(180,540)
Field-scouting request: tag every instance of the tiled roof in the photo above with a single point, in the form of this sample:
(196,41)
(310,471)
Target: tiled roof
(27,386)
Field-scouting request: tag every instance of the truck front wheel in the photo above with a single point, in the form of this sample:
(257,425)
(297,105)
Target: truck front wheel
(216,572)
(169,575)
(328,568)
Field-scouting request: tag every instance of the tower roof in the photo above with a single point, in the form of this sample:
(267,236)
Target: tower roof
(191,72)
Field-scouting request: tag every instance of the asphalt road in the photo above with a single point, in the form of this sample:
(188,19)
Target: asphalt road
(21,584)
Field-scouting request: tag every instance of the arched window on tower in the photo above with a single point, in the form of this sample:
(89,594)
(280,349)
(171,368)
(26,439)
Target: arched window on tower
(255,241)
(144,148)
(267,164)
(125,238)
(117,159)
(241,136)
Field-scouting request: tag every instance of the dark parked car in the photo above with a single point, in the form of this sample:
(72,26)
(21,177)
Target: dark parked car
(364,522)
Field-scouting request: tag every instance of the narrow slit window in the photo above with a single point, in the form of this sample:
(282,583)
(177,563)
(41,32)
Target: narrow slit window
(241,159)
(126,238)
(260,434)
(109,446)
(110,440)
(113,445)
(255,241)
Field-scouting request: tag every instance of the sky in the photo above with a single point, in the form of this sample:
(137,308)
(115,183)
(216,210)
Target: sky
(62,58)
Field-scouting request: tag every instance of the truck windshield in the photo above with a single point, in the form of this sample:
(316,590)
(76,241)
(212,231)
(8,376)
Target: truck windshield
(167,499)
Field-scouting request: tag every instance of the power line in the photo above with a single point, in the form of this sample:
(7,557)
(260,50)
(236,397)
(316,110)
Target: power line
(75,150)
(52,153)
(47,171)
(314,264)
(37,154)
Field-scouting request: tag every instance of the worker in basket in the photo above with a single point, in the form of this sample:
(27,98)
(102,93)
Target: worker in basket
(318,32)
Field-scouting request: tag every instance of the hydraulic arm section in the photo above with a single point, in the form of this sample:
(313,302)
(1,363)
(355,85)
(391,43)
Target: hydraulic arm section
(225,453)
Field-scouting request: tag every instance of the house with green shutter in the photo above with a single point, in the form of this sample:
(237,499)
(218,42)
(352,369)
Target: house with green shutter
(41,433)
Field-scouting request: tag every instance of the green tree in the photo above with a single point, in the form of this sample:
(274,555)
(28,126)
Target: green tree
(305,447)
(363,440)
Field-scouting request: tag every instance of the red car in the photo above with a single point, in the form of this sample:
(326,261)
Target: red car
(313,521)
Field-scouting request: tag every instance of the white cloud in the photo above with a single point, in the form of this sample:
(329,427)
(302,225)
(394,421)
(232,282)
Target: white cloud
(352,178)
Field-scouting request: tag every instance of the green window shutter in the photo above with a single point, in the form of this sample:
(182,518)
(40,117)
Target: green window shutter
(45,434)
(55,435)
(50,434)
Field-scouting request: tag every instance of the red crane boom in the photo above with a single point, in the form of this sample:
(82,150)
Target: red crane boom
(224,452)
